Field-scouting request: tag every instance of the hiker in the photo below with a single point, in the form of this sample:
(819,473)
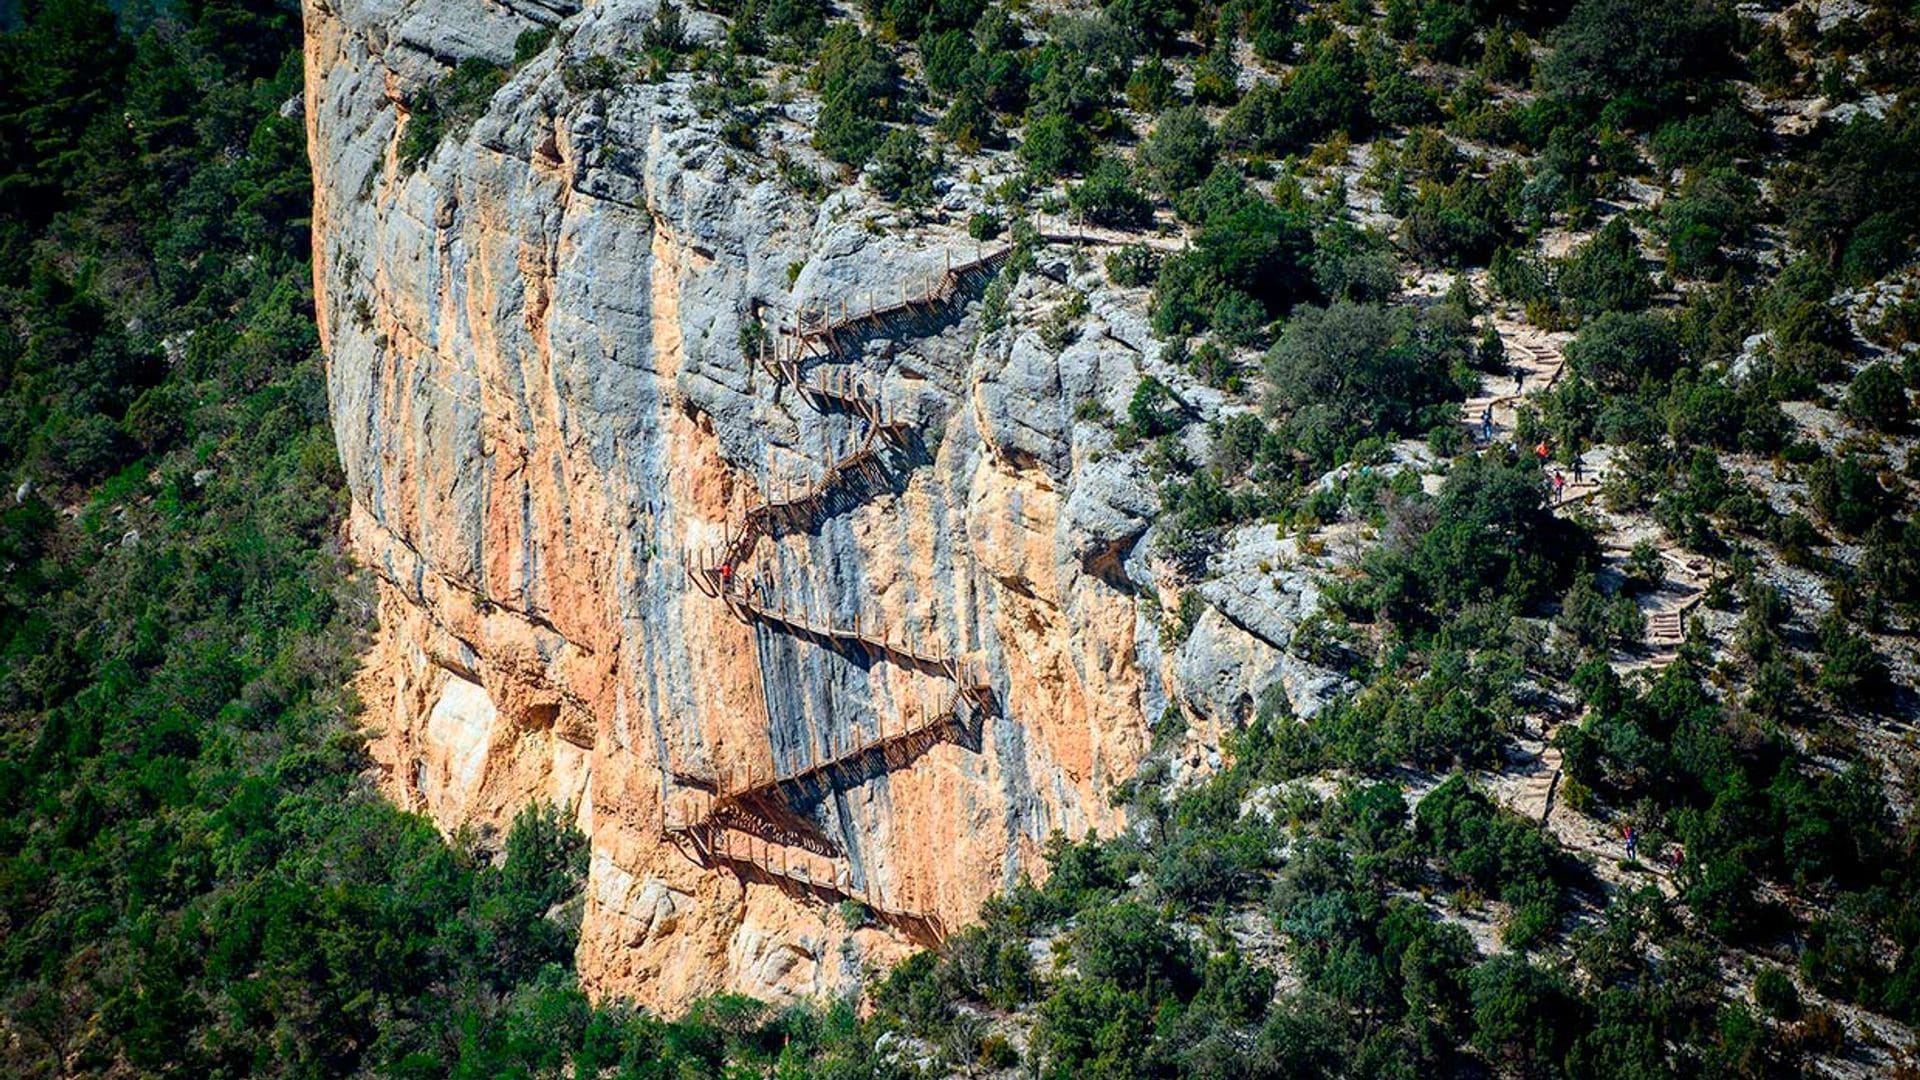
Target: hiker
(1578,472)
(1559,485)
(1540,451)
(726,575)
(1486,424)
(1633,843)
(1519,377)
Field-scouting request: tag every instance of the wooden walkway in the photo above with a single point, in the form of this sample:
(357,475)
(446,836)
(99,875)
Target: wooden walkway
(885,751)
(819,331)
(709,844)
(749,822)
(758,600)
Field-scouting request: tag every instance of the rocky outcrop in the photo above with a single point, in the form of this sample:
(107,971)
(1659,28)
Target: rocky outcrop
(543,404)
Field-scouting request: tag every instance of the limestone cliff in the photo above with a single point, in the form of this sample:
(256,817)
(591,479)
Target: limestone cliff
(545,408)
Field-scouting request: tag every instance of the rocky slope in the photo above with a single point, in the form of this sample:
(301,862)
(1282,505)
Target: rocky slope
(544,407)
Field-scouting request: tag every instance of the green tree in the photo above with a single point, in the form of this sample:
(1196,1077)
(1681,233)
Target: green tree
(1605,274)
(1620,352)
(1181,150)
(1349,371)
(1877,397)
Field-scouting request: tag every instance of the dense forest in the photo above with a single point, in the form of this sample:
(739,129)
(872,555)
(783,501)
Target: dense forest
(197,878)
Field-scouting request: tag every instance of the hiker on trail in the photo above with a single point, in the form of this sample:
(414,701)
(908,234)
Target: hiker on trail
(726,575)
(1519,377)
(1559,485)
(1541,451)
(1633,843)
(1578,471)
(1486,424)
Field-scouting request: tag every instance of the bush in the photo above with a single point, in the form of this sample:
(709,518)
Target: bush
(1489,535)
(1710,214)
(531,43)
(1350,371)
(1605,274)
(902,170)
(1775,994)
(1181,150)
(947,57)
(1055,145)
(1130,945)
(1326,96)
(1637,57)
(1247,245)
(447,107)
(1877,397)
(857,81)
(1851,673)
(1846,493)
(1620,353)
(1108,196)
(1462,222)
(1133,265)
(1400,100)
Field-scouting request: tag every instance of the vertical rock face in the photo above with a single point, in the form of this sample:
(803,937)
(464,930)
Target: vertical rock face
(543,404)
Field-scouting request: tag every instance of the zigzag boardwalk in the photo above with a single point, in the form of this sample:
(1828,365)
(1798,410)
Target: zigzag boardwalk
(801,870)
(751,825)
(819,331)
(882,752)
(755,805)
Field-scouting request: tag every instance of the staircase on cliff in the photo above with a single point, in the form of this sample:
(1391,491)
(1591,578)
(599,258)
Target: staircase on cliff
(748,823)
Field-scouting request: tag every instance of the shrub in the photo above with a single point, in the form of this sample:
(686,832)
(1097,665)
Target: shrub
(1400,100)
(1637,56)
(947,57)
(1619,352)
(447,107)
(1851,673)
(1711,213)
(1713,139)
(1605,274)
(1490,534)
(1461,222)
(1133,265)
(857,81)
(1326,96)
(1216,75)
(1351,263)
(1181,150)
(902,170)
(1108,196)
(531,43)
(1846,493)
(1247,245)
(1520,1013)
(1055,144)
(968,122)
(1857,186)
(1776,995)
(1150,412)
(1877,397)
(1130,945)
(1348,371)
